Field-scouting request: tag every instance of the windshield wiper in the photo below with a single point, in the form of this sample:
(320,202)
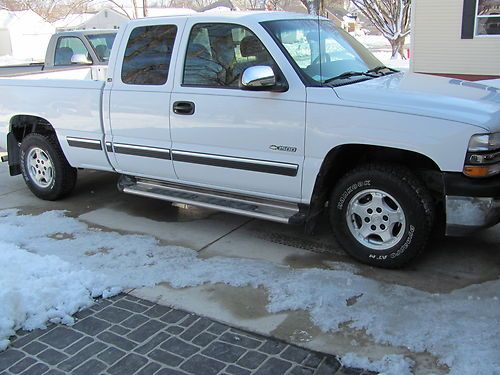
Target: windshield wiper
(378,69)
(349,75)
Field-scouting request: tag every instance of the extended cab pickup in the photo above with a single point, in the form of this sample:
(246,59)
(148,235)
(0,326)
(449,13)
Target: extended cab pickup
(273,115)
(68,50)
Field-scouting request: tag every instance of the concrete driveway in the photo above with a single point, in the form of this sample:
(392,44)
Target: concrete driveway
(449,264)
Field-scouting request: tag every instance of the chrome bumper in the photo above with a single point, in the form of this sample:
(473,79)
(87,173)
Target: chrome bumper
(465,215)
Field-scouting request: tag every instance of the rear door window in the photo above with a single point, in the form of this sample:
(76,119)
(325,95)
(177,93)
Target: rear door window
(148,54)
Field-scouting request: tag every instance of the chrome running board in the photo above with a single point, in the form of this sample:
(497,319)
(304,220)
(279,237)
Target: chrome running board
(260,208)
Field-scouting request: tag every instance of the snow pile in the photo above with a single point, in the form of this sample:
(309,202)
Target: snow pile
(389,365)
(37,288)
(52,265)
(381,48)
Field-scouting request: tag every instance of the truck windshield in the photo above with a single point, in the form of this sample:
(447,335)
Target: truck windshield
(102,43)
(322,51)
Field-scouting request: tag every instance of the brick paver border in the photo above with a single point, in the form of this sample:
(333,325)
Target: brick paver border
(125,335)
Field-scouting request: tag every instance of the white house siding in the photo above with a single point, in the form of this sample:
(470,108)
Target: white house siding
(105,19)
(438,47)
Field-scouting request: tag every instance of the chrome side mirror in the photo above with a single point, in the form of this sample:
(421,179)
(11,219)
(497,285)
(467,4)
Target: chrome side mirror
(80,58)
(259,77)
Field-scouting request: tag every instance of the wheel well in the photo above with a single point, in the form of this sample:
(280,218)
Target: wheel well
(22,125)
(344,158)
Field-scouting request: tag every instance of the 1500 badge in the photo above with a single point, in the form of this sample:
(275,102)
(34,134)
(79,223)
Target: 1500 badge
(283,148)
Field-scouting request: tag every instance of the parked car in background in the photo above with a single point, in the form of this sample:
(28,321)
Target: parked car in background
(70,49)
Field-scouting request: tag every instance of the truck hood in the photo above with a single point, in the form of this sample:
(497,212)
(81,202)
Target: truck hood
(430,96)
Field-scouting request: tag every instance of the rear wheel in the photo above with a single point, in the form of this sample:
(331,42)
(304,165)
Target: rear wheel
(382,215)
(45,168)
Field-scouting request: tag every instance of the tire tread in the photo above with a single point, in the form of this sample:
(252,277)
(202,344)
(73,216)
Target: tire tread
(67,174)
(407,179)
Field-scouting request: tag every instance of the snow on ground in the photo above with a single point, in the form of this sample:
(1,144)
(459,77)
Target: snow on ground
(394,364)
(7,60)
(381,48)
(53,265)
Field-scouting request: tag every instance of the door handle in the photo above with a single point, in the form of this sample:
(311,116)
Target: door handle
(183,108)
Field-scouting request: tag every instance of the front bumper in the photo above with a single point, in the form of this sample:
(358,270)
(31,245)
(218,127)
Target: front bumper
(471,204)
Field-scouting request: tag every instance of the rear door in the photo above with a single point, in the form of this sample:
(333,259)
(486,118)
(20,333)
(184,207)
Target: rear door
(139,99)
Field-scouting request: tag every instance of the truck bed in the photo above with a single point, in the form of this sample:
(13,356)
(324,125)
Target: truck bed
(69,99)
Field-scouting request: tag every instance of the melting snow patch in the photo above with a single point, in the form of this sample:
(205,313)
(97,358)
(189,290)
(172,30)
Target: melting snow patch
(52,265)
(394,364)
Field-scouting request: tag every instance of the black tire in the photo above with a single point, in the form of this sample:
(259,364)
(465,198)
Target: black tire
(63,176)
(411,196)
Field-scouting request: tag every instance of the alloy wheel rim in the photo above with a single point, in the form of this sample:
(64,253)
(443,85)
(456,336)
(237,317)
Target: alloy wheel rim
(376,219)
(40,167)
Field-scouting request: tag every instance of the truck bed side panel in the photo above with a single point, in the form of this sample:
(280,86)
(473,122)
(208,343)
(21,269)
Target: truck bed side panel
(72,107)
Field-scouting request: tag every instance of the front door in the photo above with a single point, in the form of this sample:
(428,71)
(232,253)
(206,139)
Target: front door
(226,137)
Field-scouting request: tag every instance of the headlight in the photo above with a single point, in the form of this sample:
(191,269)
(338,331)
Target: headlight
(484,142)
(483,156)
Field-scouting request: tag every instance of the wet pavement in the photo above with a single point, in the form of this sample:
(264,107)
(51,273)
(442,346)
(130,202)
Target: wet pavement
(449,263)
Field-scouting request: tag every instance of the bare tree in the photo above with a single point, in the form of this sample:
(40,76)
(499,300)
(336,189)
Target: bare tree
(487,6)
(391,18)
(254,4)
(273,4)
(120,8)
(50,10)
(200,4)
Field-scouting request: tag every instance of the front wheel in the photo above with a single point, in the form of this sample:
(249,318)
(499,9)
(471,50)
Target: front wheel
(381,215)
(45,168)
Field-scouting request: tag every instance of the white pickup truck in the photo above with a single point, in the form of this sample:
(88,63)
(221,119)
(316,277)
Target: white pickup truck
(69,50)
(273,115)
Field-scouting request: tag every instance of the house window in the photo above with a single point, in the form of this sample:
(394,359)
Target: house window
(487,18)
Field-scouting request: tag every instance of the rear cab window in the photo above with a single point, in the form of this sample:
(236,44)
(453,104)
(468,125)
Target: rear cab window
(102,43)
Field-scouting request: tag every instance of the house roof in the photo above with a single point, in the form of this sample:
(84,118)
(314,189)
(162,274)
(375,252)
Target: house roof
(73,20)
(220,4)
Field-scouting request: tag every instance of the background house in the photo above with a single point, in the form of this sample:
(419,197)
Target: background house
(104,19)
(343,18)
(457,38)
(24,35)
